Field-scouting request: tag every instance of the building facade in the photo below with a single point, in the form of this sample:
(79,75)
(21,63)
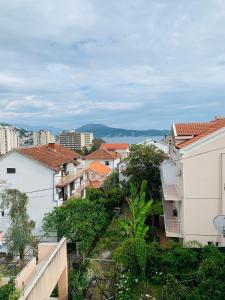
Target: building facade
(48,174)
(105,157)
(43,137)
(9,139)
(76,140)
(193,182)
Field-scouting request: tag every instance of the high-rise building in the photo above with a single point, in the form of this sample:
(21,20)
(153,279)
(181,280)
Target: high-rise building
(9,139)
(76,140)
(43,137)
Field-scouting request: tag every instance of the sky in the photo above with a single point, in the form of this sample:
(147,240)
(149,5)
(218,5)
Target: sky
(135,64)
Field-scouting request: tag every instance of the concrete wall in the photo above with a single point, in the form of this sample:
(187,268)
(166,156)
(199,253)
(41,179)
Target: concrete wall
(52,269)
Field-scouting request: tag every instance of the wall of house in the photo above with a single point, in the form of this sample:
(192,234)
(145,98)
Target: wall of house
(203,188)
(30,176)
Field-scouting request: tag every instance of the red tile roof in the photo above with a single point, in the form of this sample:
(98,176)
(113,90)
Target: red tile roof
(186,129)
(113,147)
(99,168)
(52,155)
(102,154)
(213,126)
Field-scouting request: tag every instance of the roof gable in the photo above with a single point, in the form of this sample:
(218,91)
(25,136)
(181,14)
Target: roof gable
(52,156)
(102,154)
(213,127)
(114,146)
(99,168)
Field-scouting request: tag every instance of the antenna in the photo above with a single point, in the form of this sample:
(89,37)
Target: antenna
(219,224)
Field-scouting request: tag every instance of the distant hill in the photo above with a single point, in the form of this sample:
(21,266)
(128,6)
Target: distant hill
(54,130)
(100,130)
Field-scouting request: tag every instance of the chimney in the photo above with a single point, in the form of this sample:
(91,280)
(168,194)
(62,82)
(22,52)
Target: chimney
(52,146)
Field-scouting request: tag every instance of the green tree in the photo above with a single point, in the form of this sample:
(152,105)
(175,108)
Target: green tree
(211,276)
(9,291)
(96,143)
(19,234)
(134,223)
(143,164)
(139,209)
(79,220)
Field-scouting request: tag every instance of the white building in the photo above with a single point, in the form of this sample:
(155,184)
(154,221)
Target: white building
(105,157)
(43,137)
(48,174)
(9,139)
(158,144)
(193,182)
(76,140)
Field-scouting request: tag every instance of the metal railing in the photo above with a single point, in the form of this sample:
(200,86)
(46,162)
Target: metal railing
(174,226)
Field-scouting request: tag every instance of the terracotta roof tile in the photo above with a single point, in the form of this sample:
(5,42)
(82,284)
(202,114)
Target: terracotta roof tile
(99,168)
(102,154)
(186,129)
(114,146)
(213,126)
(52,155)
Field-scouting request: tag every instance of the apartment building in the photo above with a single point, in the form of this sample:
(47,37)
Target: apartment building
(76,140)
(43,137)
(48,174)
(193,182)
(9,139)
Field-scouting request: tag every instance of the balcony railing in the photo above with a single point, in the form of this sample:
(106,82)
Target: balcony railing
(174,227)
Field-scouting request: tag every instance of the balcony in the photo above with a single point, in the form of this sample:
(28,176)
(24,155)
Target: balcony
(173,225)
(169,182)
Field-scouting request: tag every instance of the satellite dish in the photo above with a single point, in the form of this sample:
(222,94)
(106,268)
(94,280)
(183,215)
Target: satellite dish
(219,224)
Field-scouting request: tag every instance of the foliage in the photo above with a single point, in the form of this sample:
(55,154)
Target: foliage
(139,209)
(78,282)
(125,255)
(112,193)
(79,220)
(19,234)
(156,208)
(173,290)
(211,276)
(96,143)
(143,164)
(8,291)
(179,260)
(123,286)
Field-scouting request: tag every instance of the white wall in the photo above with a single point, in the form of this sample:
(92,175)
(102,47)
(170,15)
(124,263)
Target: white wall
(30,176)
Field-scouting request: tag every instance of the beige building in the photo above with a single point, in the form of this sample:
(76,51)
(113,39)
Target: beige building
(9,139)
(43,137)
(39,277)
(193,182)
(76,140)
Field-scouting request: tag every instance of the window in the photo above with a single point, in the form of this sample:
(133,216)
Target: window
(210,243)
(107,163)
(11,170)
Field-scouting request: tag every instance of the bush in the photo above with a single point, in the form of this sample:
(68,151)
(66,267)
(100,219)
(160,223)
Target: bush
(9,292)
(124,255)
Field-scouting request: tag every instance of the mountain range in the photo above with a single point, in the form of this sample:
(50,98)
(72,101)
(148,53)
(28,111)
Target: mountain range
(99,130)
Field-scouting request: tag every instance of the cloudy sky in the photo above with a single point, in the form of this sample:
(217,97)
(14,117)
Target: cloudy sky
(129,63)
